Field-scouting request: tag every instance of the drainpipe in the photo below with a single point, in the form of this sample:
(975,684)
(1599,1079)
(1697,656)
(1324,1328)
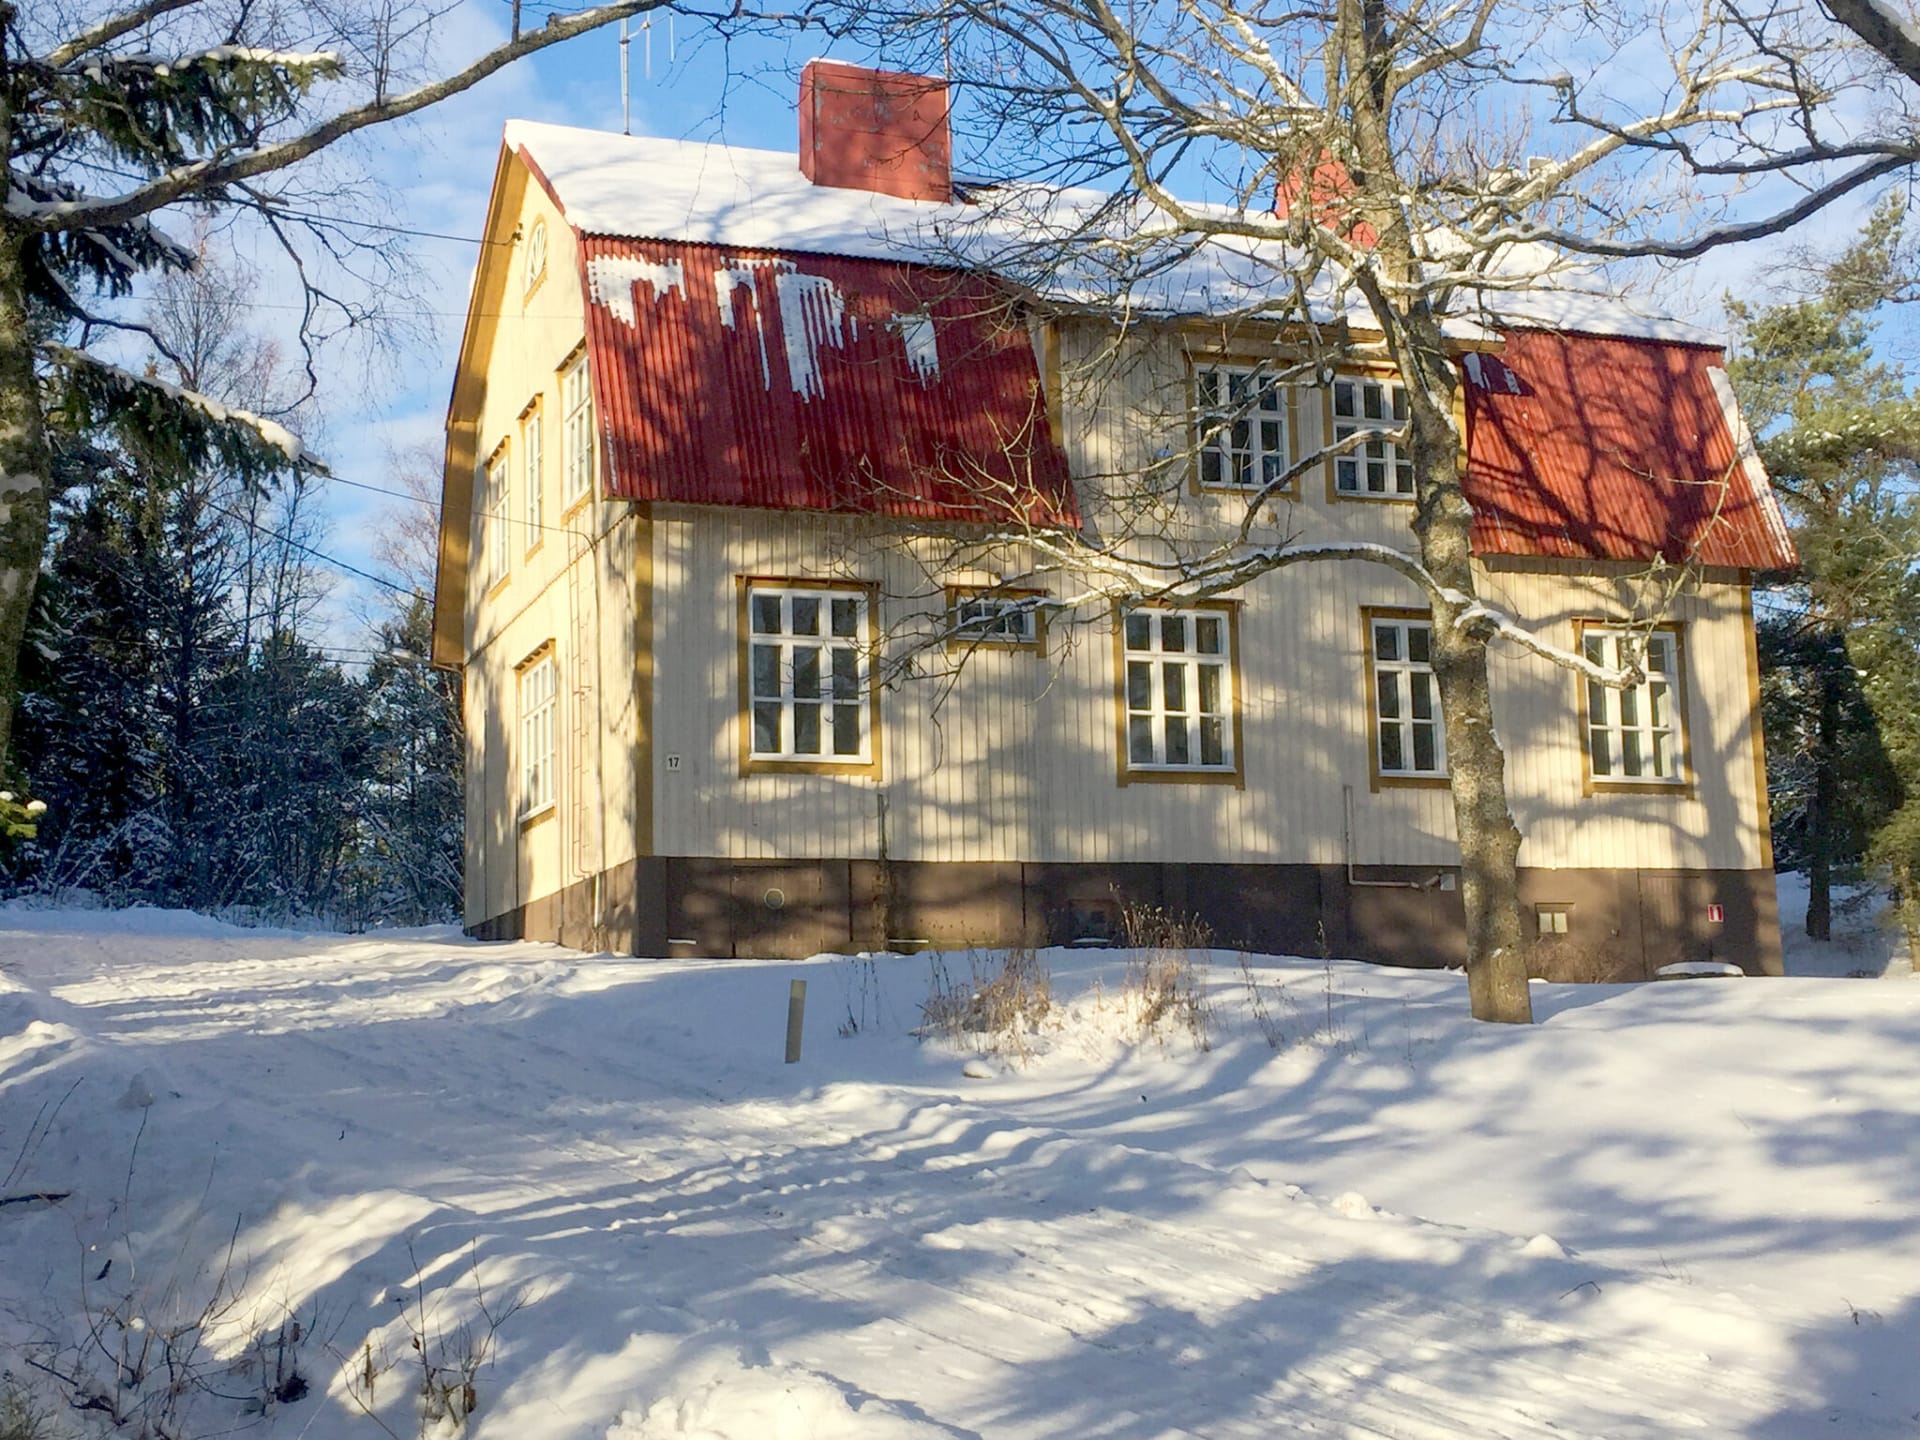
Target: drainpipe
(600,737)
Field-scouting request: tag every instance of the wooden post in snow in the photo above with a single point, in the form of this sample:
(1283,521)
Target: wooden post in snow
(796,1018)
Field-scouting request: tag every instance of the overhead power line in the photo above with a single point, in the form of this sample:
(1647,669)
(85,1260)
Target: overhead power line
(381,225)
(333,560)
(434,505)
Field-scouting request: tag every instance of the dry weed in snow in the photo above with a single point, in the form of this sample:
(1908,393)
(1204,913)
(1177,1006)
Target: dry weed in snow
(998,1003)
(1166,991)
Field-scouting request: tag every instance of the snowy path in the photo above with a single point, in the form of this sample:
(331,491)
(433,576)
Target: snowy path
(1105,1244)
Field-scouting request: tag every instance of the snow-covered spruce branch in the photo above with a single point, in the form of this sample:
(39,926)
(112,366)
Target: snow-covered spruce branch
(318,62)
(36,194)
(268,436)
(213,173)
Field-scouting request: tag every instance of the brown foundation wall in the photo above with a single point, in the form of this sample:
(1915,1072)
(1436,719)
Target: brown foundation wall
(1622,924)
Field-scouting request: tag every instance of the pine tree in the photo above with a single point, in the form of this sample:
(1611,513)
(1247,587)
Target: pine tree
(135,629)
(1829,778)
(1840,434)
(294,781)
(203,749)
(415,811)
(112,118)
(1889,652)
(90,741)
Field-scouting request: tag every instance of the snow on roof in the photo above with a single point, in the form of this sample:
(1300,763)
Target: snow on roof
(703,193)
(816,382)
(1587,313)
(636,188)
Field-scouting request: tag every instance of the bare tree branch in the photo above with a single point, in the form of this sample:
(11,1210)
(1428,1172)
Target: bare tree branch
(1720,236)
(1882,30)
(112,28)
(212,175)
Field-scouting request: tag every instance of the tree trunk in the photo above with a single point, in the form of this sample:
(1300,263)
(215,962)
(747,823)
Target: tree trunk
(1905,915)
(25,468)
(1489,840)
(1823,829)
(1443,523)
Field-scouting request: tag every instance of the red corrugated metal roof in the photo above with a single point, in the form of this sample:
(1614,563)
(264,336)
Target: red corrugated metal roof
(1584,447)
(815,382)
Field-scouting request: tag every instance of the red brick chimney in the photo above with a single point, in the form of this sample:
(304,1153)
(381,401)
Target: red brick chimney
(1325,193)
(876,130)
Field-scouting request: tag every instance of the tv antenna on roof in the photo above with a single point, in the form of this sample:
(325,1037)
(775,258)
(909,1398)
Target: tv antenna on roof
(626,39)
(626,108)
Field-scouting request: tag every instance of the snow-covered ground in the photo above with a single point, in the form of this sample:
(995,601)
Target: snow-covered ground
(1679,1208)
(1865,944)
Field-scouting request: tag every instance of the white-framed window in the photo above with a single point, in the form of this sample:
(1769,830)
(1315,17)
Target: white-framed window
(808,677)
(986,618)
(1634,734)
(1378,469)
(536,254)
(1409,739)
(494,557)
(533,451)
(1240,421)
(538,701)
(576,406)
(1178,690)
(1551,919)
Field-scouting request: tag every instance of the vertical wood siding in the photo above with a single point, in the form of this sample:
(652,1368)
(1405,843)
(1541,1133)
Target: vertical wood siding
(1014,758)
(574,584)
(1017,759)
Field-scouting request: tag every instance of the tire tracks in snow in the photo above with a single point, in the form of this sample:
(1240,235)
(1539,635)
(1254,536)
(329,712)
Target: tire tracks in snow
(974,1279)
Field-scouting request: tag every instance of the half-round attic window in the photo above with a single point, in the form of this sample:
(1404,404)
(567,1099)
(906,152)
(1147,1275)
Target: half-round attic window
(536,253)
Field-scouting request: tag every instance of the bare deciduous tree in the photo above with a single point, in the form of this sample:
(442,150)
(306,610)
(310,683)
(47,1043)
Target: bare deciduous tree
(1387,178)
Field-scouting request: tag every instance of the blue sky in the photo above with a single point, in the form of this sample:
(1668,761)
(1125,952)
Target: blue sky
(439,166)
(437,170)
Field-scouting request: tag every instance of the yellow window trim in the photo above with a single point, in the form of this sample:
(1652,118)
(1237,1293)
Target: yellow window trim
(750,764)
(1376,779)
(1686,784)
(1196,360)
(967,644)
(1125,774)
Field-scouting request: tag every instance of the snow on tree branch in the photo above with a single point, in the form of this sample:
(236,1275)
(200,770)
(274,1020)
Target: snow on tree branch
(139,244)
(183,424)
(320,61)
(1113,578)
(111,29)
(211,174)
(1883,28)
(1477,617)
